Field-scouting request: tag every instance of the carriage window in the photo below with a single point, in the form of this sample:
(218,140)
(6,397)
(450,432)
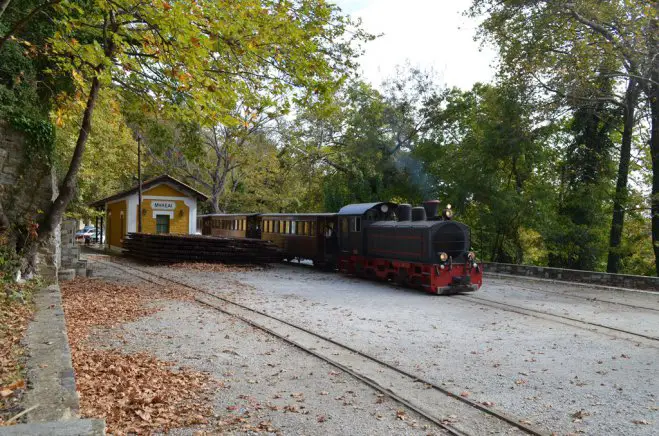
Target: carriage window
(277,226)
(312,229)
(357,224)
(293,227)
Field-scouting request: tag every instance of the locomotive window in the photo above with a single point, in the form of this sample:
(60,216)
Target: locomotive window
(344,225)
(357,224)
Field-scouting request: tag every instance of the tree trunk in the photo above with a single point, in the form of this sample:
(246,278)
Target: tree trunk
(631,97)
(653,99)
(654,151)
(67,189)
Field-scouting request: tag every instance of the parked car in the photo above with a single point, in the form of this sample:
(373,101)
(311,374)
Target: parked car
(88,235)
(80,234)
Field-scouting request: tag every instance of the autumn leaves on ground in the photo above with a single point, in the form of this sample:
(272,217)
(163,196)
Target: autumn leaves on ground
(134,393)
(15,314)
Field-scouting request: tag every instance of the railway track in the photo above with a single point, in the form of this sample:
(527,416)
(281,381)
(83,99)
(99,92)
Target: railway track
(563,319)
(594,299)
(453,413)
(568,320)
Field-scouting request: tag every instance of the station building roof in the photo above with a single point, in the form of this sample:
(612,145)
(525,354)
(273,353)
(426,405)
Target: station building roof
(147,184)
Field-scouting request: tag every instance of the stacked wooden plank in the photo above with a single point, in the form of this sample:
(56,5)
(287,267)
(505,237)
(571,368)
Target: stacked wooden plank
(197,248)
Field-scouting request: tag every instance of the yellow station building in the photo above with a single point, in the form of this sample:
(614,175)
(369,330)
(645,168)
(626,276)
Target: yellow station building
(168,206)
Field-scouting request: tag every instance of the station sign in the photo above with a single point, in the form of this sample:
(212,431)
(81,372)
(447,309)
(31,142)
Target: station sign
(163,205)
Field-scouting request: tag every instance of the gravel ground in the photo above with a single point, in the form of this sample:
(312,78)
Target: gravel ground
(560,377)
(265,379)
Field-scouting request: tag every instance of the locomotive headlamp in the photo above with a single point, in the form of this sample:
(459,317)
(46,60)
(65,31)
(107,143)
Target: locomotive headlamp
(448,206)
(384,208)
(448,213)
(443,257)
(471,256)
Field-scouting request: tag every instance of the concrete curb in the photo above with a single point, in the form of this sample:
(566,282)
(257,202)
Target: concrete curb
(49,369)
(51,381)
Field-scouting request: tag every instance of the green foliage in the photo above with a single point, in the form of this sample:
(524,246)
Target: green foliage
(485,154)
(39,137)
(10,261)
(110,164)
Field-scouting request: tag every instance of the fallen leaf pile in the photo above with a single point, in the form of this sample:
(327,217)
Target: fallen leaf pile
(215,267)
(14,319)
(134,393)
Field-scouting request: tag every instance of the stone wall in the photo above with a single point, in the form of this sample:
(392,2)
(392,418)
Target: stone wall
(26,187)
(71,265)
(571,275)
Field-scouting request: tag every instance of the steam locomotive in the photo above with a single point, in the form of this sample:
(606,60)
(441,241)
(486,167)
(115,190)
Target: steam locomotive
(416,247)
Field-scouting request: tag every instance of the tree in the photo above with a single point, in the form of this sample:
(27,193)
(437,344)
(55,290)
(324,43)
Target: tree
(212,157)
(197,59)
(110,163)
(484,155)
(565,46)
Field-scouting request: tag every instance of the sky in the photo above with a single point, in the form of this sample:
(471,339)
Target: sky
(430,34)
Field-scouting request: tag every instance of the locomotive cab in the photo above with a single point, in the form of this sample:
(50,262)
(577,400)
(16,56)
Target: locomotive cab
(354,219)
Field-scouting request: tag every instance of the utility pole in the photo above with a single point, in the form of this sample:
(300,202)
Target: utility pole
(139,181)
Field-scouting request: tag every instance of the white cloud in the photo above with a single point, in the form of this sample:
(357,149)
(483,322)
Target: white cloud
(427,33)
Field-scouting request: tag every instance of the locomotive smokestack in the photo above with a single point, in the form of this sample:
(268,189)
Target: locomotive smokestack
(404,212)
(432,208)
(418,214)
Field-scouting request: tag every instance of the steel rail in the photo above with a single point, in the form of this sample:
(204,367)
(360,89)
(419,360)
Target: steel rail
(522,310)
(499,415)
(565,294)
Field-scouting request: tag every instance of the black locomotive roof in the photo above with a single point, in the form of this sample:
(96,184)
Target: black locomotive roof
(361,208)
